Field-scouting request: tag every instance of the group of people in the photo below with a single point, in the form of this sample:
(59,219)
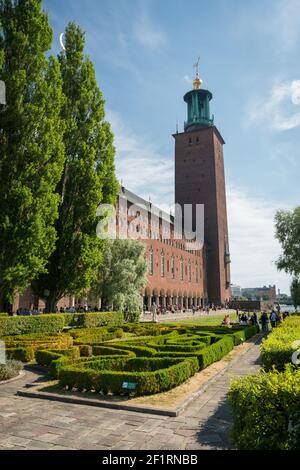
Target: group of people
(275,318)
(250,319)
(75,309)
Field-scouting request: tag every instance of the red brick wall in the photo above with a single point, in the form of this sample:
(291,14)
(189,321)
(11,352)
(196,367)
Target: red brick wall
(199,179)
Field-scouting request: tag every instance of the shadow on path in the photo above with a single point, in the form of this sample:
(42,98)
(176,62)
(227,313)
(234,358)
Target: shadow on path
(215,431)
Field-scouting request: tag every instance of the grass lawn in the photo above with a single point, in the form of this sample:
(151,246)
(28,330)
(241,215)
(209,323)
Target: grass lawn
(209,320)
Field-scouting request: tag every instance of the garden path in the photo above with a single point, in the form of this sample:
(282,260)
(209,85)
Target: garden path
(30,423)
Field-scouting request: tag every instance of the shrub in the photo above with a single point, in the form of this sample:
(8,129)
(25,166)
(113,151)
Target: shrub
(179,347)
(85,350)
(161,374)
(20,354)
(142,351)
(55,359)
(110,351)
(49,324)
(277,348)
(95,335)
(10,369)
(22,347)
(54,323)
(215,352)
(266,410)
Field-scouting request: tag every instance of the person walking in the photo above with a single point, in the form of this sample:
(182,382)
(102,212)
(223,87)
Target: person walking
(264,322)
(154,312)
(273,318)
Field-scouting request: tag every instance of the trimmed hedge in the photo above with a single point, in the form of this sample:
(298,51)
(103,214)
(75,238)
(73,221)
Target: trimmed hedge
(109,351)
(161,374)
(19,325)
(179,347)
(55,322)
(138,350)
(20,354)
(266,411)
(215,351)
(54,359)
(23,347)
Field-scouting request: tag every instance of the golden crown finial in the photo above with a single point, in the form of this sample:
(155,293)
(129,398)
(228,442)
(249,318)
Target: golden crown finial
(197,81)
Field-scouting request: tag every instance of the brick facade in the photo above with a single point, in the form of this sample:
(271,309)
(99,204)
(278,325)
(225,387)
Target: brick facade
(200,179)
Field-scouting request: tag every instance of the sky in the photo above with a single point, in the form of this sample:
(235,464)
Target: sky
(144,51)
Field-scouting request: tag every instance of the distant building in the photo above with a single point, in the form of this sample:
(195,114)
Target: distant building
(260,293)
(236,291)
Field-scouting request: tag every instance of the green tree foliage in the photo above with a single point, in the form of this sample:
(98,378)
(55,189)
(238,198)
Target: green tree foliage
(88,177)
(287,224)
(122,275)
(31,150)
(295,292)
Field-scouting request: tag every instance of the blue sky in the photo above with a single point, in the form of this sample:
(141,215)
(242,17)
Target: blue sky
(144,51)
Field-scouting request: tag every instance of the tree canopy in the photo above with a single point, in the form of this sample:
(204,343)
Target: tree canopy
(31,150)
(287,224)
(88,176)
(122,275)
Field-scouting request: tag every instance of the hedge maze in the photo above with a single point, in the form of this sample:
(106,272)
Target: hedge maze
(121,359)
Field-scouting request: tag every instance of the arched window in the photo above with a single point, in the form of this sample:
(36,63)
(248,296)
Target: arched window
(162,264)
(173,266)
(181,269)
(190,270)
(151,261)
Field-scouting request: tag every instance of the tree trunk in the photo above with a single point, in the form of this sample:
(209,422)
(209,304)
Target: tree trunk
(51,302)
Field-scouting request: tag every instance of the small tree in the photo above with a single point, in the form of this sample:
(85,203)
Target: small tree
(122,276)
(287,225)
(295,292)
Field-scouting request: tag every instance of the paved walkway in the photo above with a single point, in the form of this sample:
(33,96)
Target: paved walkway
(170,317)
(30,423)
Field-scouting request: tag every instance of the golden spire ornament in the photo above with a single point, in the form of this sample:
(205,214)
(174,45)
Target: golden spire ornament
(197,81)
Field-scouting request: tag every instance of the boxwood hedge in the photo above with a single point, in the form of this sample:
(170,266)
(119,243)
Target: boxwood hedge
(151,375)
(54,323)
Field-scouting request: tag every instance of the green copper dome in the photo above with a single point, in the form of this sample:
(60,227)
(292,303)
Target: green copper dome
(198,109)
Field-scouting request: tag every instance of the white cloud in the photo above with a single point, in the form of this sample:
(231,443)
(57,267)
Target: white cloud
(254,248)
(278,110)
(140,166)
(147,33)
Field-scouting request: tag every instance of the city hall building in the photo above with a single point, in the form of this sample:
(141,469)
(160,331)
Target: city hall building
(178,274)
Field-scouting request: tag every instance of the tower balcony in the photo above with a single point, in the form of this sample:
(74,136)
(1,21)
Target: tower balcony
(198,121)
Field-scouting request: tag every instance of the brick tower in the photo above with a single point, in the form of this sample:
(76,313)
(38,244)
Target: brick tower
(200,179)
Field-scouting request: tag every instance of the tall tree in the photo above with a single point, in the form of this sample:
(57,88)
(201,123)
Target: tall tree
(122,276)
(88,177)
(287,224)
(295,292)
(31,151)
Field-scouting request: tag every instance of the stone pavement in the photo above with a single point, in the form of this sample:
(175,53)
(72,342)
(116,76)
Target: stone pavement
(30,423)
(170,317)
